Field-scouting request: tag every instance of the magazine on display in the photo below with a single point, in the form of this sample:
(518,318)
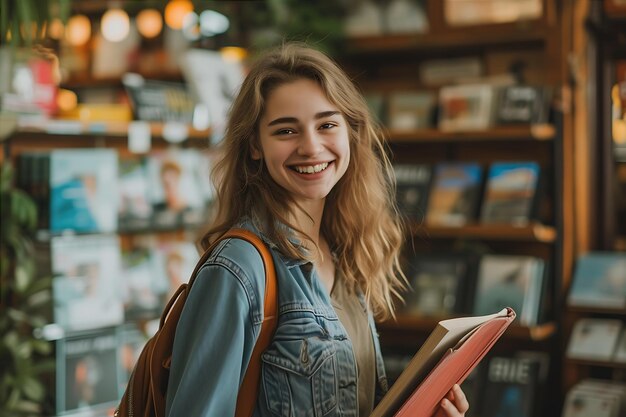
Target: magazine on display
(86,283)
(83,190)
(87,372)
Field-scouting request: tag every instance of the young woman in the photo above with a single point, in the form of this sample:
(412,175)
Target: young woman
(304,167)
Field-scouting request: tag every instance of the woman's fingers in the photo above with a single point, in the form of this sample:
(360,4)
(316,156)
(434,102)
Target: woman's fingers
(459,399)
(455,404)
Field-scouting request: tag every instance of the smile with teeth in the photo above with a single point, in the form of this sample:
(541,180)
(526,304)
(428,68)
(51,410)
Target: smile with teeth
(311,169)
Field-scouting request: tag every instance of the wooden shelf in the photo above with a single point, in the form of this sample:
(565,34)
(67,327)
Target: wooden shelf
(95,129)
(539,132)
(506,35)
(598,310)
(87,81)
(602,364)
(534,232)
(425,325)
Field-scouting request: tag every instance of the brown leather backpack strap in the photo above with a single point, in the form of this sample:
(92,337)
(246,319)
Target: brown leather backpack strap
(249,390)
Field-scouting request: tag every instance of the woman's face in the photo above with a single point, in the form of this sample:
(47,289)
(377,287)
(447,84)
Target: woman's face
(304,141)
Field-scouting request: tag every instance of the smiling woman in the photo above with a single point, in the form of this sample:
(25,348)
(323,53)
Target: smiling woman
(304,168)
(304,143)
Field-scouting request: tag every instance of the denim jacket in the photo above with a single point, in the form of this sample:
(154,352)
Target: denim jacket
(309,368)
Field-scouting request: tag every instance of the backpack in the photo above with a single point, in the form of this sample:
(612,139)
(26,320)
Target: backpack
(146,390)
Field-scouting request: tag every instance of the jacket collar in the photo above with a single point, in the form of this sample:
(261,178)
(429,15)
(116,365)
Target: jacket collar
(252,225)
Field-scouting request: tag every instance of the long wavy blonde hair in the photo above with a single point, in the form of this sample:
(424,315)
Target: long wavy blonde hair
(360,220)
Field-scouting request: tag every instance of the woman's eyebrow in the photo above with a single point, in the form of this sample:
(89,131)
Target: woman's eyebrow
(290,119)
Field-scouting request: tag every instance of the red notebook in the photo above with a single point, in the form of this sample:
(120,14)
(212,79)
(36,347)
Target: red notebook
(447,357)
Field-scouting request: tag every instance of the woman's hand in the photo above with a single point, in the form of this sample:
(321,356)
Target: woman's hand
(455,404)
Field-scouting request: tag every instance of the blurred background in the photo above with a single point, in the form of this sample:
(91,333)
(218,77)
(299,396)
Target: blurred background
(505,121)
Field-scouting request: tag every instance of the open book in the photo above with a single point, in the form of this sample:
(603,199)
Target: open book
(449,354)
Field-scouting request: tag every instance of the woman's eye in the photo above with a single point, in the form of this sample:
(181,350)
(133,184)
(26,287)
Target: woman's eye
(327,126)
(285,132)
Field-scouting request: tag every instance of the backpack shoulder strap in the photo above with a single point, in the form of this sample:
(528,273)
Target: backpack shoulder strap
(248,391)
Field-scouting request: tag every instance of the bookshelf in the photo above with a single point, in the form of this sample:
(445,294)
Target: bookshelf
(604,40)
(393,63)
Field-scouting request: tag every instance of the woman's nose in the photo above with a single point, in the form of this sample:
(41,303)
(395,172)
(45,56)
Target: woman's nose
(310,144)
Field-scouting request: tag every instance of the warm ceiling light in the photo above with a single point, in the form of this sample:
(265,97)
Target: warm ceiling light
(67,100)
(233,53)
(149,23)
(56,29)
(175,13)
(115,25)
(78,30)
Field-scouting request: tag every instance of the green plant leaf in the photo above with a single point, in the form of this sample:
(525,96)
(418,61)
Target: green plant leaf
(41,284)
(17,315)
(39,299)
(42,346)
(25,17)
(4,18)
(27,407)
(11,340)
(22,279)
(33,389)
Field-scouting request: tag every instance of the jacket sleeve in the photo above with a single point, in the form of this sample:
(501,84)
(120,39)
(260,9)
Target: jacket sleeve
(213,343)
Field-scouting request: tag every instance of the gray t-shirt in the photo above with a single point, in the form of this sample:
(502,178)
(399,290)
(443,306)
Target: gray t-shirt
(353,316)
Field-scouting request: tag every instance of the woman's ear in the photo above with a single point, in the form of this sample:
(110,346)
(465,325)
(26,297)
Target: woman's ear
(255,152)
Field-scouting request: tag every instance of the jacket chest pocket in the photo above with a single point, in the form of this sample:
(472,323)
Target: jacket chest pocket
(299,377)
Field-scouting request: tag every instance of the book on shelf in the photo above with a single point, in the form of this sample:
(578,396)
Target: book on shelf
(451,352)
(620,350)
(143,287)
(523,104)
(364,19)
(594,339)
(466,107)
(135,209)
(405,16)
(83,190)
(510,193)
(595,397)
(599,281)
(510,280)
(455,194)
(438,283)
(512,385)
(411,110)
(87,372)
(412,184)
(159,101)
(86,284)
